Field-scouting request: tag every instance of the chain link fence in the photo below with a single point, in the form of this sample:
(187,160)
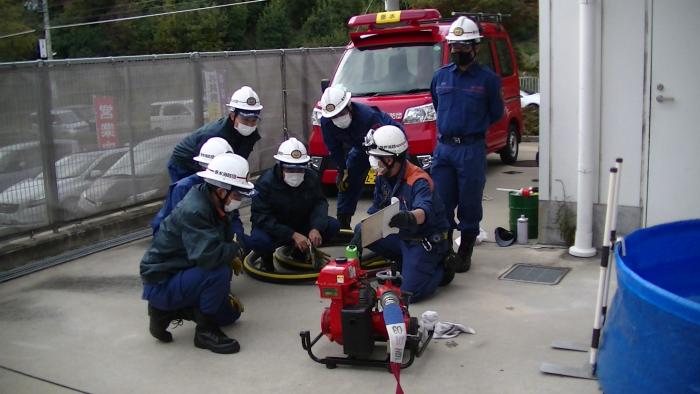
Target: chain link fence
(83,137)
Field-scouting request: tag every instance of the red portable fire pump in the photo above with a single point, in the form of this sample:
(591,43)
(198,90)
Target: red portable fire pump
(364,311)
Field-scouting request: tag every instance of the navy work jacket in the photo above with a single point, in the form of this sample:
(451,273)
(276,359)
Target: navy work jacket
(189,147)
(466,102)
(414,190)
(364,118)
(281,210)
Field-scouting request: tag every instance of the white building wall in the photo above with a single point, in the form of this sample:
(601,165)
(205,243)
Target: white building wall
(620,79)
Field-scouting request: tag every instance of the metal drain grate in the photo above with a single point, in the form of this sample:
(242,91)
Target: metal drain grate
(531,273)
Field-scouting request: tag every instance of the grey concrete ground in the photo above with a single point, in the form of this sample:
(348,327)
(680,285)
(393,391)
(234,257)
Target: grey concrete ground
(82,325)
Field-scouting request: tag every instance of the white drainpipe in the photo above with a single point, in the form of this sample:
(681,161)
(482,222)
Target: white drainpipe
(583,245)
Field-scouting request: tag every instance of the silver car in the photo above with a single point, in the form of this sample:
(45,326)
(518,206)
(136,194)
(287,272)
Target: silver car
(123,185)
(24,203)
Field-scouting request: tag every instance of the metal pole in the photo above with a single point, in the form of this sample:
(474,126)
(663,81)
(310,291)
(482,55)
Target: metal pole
(305,99)
(130,127)
(46,146)
(613,237)
(283,72)
(197,91)
(47,29)
(392,5)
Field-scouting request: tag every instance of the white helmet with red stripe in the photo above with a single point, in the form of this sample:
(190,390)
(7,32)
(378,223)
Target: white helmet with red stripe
(229,171)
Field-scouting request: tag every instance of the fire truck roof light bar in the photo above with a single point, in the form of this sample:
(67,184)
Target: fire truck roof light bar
(482,16)
(413,17)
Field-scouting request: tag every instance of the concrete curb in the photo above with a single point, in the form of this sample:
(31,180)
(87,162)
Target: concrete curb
(25,250)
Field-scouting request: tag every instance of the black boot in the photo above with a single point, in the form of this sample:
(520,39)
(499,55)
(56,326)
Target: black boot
(466,247)
(208,336)
(449,265)
(344,220)
(159,321)
(266,263)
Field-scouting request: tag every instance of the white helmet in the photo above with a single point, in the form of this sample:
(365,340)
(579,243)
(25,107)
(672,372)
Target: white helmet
(463,29)
(246,99)
(292,151)
(229,171)
(386,141)
(212,148)
(334,100)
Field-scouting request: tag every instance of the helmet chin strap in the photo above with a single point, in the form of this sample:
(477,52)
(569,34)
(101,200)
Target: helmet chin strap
(222,201)
(388,167)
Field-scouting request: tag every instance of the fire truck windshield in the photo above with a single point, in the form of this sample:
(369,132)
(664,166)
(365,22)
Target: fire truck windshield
(389,70)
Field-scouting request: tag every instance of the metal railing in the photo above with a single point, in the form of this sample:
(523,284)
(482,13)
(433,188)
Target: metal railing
(530,84)
(81,137)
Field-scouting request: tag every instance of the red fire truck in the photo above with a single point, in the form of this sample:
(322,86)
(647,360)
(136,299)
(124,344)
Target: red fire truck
(389,64)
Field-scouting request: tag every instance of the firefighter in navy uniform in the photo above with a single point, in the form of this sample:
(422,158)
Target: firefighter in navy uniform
(468,99)
(421,243)
(344,125)
(238,128)
(289,207)
(187,270)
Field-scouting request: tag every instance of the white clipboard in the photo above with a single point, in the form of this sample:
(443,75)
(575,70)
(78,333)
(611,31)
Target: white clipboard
(376,226)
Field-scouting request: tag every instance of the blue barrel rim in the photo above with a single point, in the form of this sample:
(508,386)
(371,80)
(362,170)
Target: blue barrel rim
(668,301)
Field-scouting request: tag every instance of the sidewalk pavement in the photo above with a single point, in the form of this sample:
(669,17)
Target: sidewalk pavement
(81,326)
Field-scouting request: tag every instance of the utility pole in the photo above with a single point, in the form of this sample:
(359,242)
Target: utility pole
(391,5)
(47,30)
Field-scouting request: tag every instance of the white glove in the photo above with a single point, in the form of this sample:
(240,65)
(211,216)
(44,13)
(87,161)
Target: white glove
(444,330)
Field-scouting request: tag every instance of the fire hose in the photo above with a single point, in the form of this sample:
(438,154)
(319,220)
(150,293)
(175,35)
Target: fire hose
(297,271)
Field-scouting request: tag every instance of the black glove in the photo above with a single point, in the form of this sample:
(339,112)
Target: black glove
(403,220)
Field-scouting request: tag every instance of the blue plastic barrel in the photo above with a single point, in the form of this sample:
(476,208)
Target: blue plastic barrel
(651,340)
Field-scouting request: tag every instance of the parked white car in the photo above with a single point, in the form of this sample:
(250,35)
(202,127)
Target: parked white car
(172,116)
(529,100)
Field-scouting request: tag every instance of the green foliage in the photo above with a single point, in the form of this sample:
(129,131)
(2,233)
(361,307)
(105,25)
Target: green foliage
(327,23)
(274,27)
(14,19)
(522,24)
(273,24)
(531,120)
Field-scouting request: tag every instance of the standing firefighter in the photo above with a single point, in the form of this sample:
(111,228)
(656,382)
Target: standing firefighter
(344,125)
(468,99)
(289,207)
(421,243)
(186,272)
(238,128)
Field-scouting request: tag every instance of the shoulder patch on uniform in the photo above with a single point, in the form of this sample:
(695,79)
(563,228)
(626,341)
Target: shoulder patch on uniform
(414,173)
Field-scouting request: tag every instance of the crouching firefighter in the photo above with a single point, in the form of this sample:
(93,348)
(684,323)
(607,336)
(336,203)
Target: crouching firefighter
(187,270)
(289,207)
(421,244)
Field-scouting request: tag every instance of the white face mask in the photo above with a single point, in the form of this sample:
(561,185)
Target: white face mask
(245,130)
(374,163)
(232,206)
(293,179)
(342,122)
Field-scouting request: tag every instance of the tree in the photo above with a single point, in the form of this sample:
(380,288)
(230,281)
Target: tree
(14,19)
(522,24)
(327,23)
(273,28)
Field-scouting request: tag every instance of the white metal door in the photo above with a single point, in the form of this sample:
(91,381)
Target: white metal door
(673,186)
